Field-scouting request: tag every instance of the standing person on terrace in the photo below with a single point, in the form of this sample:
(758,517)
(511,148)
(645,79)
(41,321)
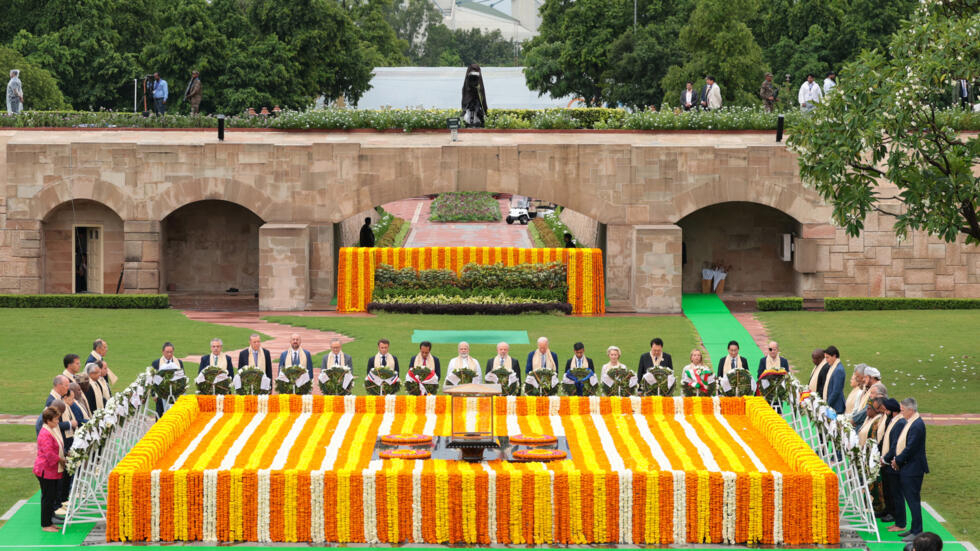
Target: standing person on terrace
(15,93)
(160,95)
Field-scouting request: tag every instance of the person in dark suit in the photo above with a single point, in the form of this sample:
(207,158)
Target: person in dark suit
(890,474)
(93,393)
(383,358)
(835,380)
(540,356)
(366,239)
(256,356)
(732,360)
(166,362)
(296,356)
(579,359)
(425,358)
(216,358)
(336,357)
(503,359)
(910,462)
(772,360)
(689,97)
(99,350)
(655,357)
(892,410)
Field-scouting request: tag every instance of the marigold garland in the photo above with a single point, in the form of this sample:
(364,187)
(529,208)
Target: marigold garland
(321,487)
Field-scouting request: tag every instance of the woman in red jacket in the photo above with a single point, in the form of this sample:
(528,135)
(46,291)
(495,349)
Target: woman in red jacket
(49,465)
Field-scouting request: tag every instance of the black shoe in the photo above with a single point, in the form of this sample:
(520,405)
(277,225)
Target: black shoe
(905,534)
(909,537)
(887,518)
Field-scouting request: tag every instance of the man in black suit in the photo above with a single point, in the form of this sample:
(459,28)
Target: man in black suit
(689,97)
(578,359)
(383,358)
(889,475)
(732,360)
(99,350)
(772,360)
(655,357)
(256,356)
(425,359)
(337,357)
(503,359)
(910,462)
(166,362)
(217,358)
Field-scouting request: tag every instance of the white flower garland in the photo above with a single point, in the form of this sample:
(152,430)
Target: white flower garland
(594,406)
(625,506)
(263,498)
(307,403)
(777,517)
(417,502)
(430,405)
(636,404)
(219,404)
(643,426)
(210,513)
(350,403)
(192,447)
(728,507)
(370,507)
(492,501)
(262,406)
(554,405)
(513,428)
(680,511)
(469,417)
(336,440)
(287,444)
(229,460)
(316,507)
(155,505)
(704,451)
(756,462)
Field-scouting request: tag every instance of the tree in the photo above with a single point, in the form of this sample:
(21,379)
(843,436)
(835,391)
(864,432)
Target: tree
(41,92)
(570,55)
(880,142)
(720,44)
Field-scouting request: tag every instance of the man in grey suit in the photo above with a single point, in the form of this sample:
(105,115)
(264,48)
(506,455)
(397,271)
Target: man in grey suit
(689,97)
(336,357)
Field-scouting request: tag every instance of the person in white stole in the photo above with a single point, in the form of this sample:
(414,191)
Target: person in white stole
(463,360)
(296,356)
(858,390)
(614,354)
(541,358)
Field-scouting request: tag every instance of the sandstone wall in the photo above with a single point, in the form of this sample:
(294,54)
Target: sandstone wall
(350,229)
(584,228)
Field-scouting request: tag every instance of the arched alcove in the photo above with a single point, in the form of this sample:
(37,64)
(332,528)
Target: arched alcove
(82,248)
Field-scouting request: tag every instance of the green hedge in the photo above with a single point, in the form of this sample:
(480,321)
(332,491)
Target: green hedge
(492,278)
(549,295)
(546,234)
(395,229)
(729,118)
(836,304)
(773,304)
(85,301)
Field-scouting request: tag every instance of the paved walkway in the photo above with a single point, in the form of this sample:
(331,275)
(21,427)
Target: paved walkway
(425,233)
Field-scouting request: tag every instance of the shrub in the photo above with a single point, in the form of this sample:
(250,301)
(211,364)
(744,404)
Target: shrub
(899,303)
(465,206)
(558,227)
(546,234)
(385,276)
(525,276)
(491,309)
(429,279)
(382,294)
(396,229)
(85,301)
(773,304)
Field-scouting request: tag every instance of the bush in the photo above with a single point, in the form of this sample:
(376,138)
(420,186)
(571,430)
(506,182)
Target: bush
(558,227)
(546,234)
(836,304)
(547,295)
(465,206)
(429,279)
(85,301)
(396,229)
(525,276)
(40,88)
(491,309)
(773,304)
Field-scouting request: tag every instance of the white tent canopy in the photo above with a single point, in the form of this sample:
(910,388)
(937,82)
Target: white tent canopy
(442,88)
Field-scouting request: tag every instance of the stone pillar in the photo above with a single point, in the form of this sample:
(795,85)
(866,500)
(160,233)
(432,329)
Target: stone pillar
(20,254)
(142,242)
(619,267)
(657,269)
(284,266)
(321,265)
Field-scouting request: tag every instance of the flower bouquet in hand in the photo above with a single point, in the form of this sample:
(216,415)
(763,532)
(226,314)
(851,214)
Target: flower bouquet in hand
(168,384)
(580,376)
(541,382)
(510,385)
(251,380)
(421,380)
(294,380)
(336,381)
(700,382)
(738,382)
(658,381)
(618,381)
(213,380)
(381,381)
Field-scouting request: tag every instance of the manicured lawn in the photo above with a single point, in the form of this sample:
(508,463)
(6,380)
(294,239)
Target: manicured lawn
(951,486)
(631,334)
(17,433)
(35,341)
(931,355)
(16,484)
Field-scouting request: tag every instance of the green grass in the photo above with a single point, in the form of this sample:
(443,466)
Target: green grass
(931,355)
(631,334)
(17,433)
(16,484)
(35,341)
(951,485)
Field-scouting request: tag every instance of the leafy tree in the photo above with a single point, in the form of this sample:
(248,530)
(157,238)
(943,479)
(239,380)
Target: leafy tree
(413,21)
(718,42)
(570,55)
(879,143)
(486,48)
(41,92)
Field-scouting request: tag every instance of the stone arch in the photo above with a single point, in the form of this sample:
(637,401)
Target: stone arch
(52,196)
(189,191)
(748,237)
(802,204)
(210,246)
(63,249)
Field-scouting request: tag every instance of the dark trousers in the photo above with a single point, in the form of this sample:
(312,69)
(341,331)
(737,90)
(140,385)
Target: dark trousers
(64,489)
(898,498)
(49,499)
(159,107)
(911,491)
(889,499)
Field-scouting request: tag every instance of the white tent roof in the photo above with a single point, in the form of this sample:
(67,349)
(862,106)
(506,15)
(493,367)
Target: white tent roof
(441,87)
